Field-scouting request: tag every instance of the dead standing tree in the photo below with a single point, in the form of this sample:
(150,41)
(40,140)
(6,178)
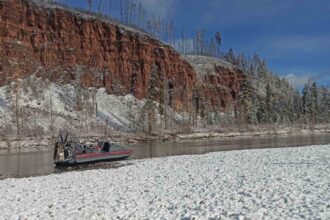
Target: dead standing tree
(218,41)
(13,94)
(148,114)
(90,5)
(17,107)
(51,116)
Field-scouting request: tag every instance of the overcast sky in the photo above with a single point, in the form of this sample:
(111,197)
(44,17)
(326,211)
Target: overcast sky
(292,35)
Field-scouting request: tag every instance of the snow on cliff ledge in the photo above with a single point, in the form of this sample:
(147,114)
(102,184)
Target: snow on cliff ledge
(204,65)
(287,183)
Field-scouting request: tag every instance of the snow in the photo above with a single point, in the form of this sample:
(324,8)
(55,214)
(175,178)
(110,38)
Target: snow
(39,98)
(257,131)
(116,109)
(41,102)
(284,183)
(123,115)
(72,109)
(205,65)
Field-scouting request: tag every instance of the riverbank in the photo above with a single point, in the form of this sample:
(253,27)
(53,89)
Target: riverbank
(256,184)
(260,131)
(246,131)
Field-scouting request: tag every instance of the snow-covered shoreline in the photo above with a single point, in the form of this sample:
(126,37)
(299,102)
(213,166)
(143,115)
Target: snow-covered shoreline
(261,131)
(235,132)
(280,183)
(119,117)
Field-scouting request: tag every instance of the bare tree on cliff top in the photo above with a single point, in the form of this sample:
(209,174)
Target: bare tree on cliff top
(140,15)
(90,5)
(109,7)
(218,41)
(199,42)
(100,6)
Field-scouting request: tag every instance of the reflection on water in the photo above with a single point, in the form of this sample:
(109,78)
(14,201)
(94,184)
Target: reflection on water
(163,149)
(22,164)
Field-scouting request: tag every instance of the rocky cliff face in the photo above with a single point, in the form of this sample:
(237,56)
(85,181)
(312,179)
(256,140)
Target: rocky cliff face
(69,47)
(220,82)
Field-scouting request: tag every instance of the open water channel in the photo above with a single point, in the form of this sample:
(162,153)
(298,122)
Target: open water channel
(23,164)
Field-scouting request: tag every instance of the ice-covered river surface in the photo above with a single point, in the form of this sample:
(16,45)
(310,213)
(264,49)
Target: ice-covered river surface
(279,183)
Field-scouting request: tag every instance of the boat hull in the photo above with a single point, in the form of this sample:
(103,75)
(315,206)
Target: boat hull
(74,162)
(95,157)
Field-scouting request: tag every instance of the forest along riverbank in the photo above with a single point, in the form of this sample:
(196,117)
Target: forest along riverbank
(264,183)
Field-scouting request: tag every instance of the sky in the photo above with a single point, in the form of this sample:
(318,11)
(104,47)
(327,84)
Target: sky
(292,35)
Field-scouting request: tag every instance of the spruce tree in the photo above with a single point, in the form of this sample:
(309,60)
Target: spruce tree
(268,103)
(314,102)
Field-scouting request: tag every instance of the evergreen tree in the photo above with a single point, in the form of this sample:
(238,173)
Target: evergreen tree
(230,57)
(268,103)
(262,116)
(305,98)
(323,103)
(252,111)
(314,105)
(310,101)
(297,105)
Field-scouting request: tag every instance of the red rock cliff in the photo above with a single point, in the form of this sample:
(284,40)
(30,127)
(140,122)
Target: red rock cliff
(220,82)
(69,47)
(54,40)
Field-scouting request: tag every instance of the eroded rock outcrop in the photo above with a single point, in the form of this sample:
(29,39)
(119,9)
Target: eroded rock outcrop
(61,43)
(220,82)
(70,47)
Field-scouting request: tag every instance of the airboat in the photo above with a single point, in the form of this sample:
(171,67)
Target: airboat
(71,152)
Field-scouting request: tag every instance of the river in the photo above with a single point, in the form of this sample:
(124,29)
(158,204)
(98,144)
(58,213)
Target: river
(24,164)
(163,149)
